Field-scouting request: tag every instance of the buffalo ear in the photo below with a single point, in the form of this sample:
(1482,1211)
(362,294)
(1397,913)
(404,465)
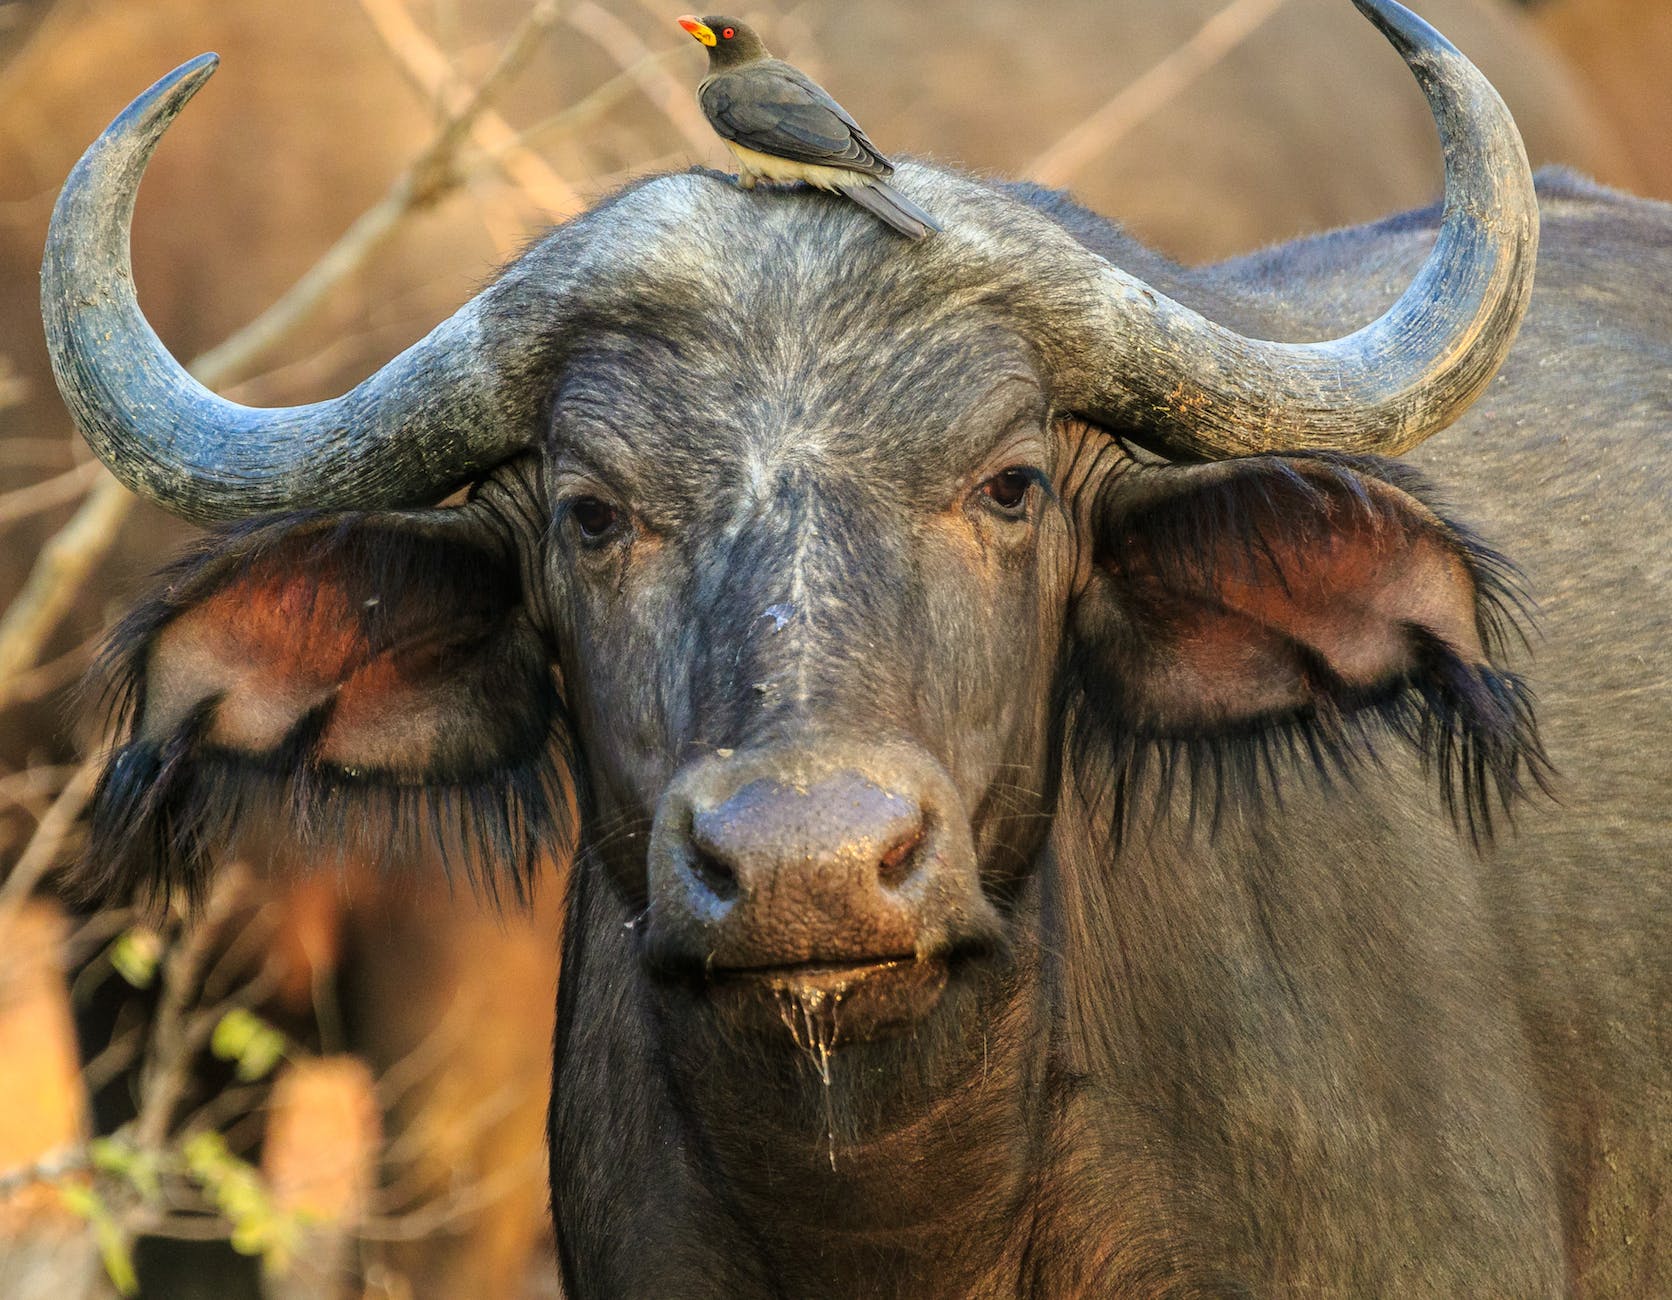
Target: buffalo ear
(372,681)
(1272,607)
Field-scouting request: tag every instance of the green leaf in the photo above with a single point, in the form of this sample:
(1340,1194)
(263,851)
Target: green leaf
(115,1250)
(135,955)
(110,1155)
(116,1253)
(206,1157)
(233,1033)
(265,1050)
(249,1238)
(250,1042)
(238,1192)
(79,1199)
(283,1240)
(120,1159)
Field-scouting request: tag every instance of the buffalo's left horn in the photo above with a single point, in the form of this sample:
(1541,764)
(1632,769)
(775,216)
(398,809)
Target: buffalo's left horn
(1129,357)
(434,416)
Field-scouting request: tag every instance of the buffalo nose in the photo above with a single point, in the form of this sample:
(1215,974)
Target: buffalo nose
(856,834)
(751,867)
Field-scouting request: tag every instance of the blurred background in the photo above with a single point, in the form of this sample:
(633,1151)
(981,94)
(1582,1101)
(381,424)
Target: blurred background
(333,1084)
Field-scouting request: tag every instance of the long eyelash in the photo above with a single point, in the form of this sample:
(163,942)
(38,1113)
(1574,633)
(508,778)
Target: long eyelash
(1038,478)
(1474,726)
(167,808)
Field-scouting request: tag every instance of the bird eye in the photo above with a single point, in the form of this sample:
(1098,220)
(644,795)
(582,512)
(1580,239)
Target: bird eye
(1008,489)
(728,33)
(593,517)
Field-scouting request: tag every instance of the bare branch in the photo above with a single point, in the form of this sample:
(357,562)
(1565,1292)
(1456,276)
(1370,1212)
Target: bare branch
(93,932)
(426,1057)
(60,570)
(598,102)
(465,1203)
(410,1147)
(25,787)
(175,1038)
(1139,100)
(59,490)
(201,1225)
(113,1058)
(49,1168)
(54,828)
(675,98)
(14,388)
(55,674)
(67,559)
(430,71)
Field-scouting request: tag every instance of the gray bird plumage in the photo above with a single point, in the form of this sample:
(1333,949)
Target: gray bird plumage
(777,109)
(783,126)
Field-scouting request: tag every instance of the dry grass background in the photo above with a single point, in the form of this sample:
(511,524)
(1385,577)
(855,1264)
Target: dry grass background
(345,1076)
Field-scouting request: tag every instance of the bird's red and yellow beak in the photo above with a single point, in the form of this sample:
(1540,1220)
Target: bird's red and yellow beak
(699,29)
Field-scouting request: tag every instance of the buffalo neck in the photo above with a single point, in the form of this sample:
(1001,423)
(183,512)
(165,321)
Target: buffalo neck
(922,1159)
(932,1177)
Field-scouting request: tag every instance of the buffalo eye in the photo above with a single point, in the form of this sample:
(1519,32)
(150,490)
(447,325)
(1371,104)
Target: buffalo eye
(1008,489)
(593,517)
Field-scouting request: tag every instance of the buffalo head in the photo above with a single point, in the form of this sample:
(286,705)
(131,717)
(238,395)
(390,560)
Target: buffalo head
(808,564)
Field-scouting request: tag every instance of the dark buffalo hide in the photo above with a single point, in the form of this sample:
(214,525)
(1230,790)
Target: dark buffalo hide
(1250,1000)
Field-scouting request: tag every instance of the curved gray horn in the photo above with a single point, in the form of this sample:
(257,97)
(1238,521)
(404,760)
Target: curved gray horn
(1134,358)
(427,422)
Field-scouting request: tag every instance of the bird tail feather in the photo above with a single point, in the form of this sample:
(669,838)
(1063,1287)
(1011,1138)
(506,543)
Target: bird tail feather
(886,203)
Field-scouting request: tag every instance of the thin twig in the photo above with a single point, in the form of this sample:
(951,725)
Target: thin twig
(55,674)
(60,571)
(433,74)
(176,1034)
(676,99)
(1139,100)
(410,1147)
(37,453)
(49,493)
(23,788)
(49,1168)
(426,180)
(64,563)
(598,102)
(238,953)
(190,1225)
(93,933)
(426,1056)
(112,1059)
(464,1203)
(41,854)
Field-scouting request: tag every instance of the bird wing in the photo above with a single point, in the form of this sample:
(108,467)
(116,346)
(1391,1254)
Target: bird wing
(775,109)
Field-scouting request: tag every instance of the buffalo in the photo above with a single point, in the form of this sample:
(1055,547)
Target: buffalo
(1237,160)
(1062,811)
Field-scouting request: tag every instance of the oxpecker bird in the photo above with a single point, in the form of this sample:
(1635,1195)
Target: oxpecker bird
(784,127)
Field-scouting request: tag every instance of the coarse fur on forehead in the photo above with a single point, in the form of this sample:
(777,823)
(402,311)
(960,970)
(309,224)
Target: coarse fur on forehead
(747,334)
(699,225)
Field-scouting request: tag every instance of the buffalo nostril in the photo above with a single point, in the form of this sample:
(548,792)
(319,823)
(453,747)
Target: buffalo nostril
(896,866)
(716,876)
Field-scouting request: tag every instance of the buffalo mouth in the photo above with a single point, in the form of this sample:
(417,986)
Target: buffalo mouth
(825,1004)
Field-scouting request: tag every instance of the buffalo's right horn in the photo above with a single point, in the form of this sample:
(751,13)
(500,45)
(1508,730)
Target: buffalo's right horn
(427,422)
(1129,357)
